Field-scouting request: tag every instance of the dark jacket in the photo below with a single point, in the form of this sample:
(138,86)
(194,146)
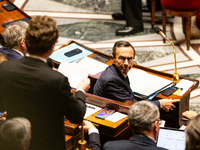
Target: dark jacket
(112,84)
(137,142)
(30,88)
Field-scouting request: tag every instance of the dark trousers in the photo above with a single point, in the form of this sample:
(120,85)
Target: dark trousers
(132,9)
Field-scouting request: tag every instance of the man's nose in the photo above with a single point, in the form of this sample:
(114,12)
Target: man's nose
(126,62)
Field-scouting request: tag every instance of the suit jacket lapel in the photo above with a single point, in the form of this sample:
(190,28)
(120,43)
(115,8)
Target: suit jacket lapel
(126,80)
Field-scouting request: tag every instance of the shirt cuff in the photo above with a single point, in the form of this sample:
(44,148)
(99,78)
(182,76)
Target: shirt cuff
(160,104)
(80,90)
(93,130)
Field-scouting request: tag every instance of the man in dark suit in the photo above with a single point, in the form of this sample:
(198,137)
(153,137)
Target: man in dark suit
(132,13)
(114,83)
(143,120)
(14,35)
(31,89)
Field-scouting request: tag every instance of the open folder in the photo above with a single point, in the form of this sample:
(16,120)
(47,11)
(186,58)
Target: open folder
(146,84)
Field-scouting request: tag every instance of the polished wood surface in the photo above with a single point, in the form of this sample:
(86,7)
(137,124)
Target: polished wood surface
(8,16)
(172,118)
(153,12)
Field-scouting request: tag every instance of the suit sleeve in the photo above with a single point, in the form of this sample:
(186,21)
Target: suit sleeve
(157,103)
(73,106)
(94,141)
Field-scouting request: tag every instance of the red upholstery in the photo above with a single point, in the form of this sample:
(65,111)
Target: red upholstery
(198,20)
(181,4)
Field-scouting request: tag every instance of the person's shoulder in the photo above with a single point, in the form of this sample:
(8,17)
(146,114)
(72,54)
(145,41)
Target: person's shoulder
(118,144)
(109,73)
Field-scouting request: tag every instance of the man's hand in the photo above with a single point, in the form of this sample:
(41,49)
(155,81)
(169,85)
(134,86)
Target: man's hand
(87,125)
(167,104)
(189,114)
(84,84)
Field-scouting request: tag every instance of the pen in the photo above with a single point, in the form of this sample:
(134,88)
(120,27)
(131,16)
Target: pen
(90,107)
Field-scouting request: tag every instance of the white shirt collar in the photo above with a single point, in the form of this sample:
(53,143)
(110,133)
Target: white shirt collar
(124,75)
(18,52)
(37,57)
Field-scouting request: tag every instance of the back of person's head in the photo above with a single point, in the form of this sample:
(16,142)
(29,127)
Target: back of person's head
(41,35)
(15,134)
(3,58)
(193,134)
(142,116)
(14,33)
(121,44)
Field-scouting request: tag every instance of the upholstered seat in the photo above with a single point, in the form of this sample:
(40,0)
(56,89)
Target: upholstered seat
(183,8)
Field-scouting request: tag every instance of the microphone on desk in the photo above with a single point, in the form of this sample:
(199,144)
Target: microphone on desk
(175,74)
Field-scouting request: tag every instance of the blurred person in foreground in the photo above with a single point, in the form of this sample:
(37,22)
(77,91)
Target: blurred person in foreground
(193,134)
(15,134)
(33,90)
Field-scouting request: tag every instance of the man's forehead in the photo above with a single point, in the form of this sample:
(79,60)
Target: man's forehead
(123,51)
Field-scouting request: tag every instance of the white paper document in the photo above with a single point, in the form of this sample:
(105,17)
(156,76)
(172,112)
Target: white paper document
(94,66)
(74,72)
(185,85)
(145,83)
(91,109)
(116,117)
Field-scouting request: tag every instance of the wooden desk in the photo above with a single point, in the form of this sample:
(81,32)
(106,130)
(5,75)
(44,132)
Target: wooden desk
(120,130)
(107,129)
(9,16)
(172,118)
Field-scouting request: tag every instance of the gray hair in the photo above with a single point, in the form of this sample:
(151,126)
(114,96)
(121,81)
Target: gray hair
(15,134)
(193,134)
(142,115)
(14,33)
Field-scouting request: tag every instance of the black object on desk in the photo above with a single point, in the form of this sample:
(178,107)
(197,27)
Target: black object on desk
(8,6)
(169,91)
(1,0)
(23,19)
(101,57)
(73,52)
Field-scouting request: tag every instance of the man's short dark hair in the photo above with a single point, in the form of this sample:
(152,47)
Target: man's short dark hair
(142,115)
(41,35)
(121,44)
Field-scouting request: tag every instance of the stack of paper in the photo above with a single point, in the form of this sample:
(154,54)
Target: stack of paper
(93,65)
(146,84)
(74,72)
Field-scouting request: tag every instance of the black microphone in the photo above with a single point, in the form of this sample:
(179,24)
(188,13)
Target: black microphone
(159,31)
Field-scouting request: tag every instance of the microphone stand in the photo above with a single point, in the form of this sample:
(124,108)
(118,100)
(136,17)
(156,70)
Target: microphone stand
(82,143)
(175,74)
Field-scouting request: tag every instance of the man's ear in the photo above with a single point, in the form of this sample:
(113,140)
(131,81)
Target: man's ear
(156,129)
(113,59)
(156,126)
